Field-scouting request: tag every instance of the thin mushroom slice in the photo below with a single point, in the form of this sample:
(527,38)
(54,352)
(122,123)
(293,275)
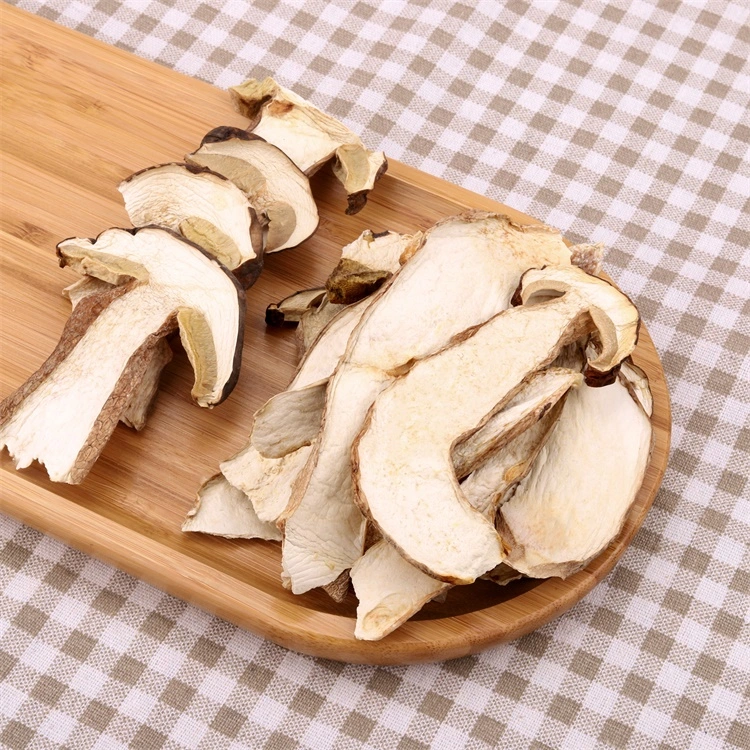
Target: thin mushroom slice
(289,311)
(203,206)
(368,262)
(588,256)
(464,272)
(401,461)
(65,412)
(159,356)
(309,137)
(271,181)
(576,498)
(391,588)
(314,320)
(223,510)
(535,396)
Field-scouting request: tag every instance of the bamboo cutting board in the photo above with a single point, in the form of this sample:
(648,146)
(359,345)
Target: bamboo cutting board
(78,117)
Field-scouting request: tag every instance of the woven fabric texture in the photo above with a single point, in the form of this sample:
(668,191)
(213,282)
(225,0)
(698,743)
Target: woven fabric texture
(625,123)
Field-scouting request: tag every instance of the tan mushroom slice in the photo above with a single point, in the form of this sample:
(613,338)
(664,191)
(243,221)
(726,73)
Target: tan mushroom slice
(401,461)
(391,588)
(65,412)
(266,482)
(309,137)
(159,356)
(366,263)
(574,501)
(203,206)
(223,510)
(271,181)
(541,391)
(290,310)
(465,271)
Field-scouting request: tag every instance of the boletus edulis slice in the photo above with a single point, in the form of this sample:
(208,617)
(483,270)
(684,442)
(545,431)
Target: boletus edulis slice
(309,137)
(271,182)
(401,461)
(64,413)
(203,206)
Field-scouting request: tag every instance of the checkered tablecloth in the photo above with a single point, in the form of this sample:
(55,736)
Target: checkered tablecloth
(623,122)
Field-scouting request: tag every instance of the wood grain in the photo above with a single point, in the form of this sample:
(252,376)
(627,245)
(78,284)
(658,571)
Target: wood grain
(78,117)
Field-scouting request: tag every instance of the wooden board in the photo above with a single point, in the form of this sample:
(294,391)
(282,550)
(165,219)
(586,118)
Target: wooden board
(78,117)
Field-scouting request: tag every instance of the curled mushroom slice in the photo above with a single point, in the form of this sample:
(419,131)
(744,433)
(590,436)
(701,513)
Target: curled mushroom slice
(289,311)
(574,501)
(223,510)
(309,137)
(272,183)
(401,461)
(366,263)
(65,412)
(203,206)
(463,273)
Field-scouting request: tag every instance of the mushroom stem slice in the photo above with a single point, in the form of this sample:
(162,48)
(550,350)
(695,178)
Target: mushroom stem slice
(203,206)
(309,137)
(401,461)
(223,510)
(64,414)
(271,182)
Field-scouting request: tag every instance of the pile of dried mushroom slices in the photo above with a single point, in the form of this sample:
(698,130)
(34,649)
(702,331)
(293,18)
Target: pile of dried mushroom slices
(201,228)
(448,421)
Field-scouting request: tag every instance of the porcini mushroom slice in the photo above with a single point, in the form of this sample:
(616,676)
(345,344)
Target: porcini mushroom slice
(272,183)
(313,321)
(64,414)
(401,461)
(575,499)
(541,391)
(159,356)
(389,588)
(308,136)
(588,256)
(290,310)
(223,510)
(366,263)
(465,271)
(203,206)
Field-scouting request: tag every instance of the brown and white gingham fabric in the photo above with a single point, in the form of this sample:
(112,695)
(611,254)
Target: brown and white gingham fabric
(623,122)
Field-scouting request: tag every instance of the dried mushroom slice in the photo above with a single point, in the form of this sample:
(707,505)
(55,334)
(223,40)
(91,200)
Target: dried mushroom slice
(435,295)
(588,256)
(65,412)
(309,137)
(159,356)
(366,263)
(272,183)
(289,311)
(223,510)
(401,461)
(313,321)
(535,396)
(203,206)
(574,501)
